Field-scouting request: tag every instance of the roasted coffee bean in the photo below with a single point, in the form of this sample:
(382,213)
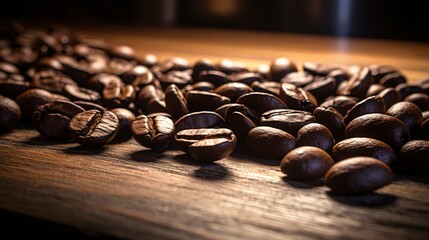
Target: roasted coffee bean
(424,129)
(200,66)
(12,87)
(153,131)
(415,157)
(280,67)
(390,97)
(409,113)
(420,99)
(10,113)
(125,118)
(233,90)
(172,64)
(342,104)
(100,81)
(214,77)
(137,72)
(205,101)
(117,96)
(247,78)
(93,128)
(52,81)
(199,86)
(331,119)
(222,109)
(119,66)
(379,126)
(268,142)
(425,115)
(321,88)
(363,146)
(8,68)
(379,71)
(339,75)
(393,79)
(288,120)
(240,124)
(32,98)
(148,60)
(318,69)
(89,105)
(195,120)
(252,115)
(263,70)
(175,102)
(74,70)
(374,89)
(261,102)
(231,67)
(122,51)
(299,79)
(357,85)
(143,80)
(316,135)
(405,89)
(306,163)
(373,104)
(270,87)
(76,93)
(179,78)
(52,119)
(151,100)
(297,98)
(358,175)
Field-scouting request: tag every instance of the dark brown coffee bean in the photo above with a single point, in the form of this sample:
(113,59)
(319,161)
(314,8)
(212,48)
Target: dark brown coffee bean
(240,124)
(153,131)
(321,88)
(10,113)
(379,71)
(93,128)
(316,135)
(339,75)
(425,115)
(280,67)
(306,163)
(405,89)
(373,104)
(390,97)
(122,51)
(205,101)
(230,67)
(409,113)
(100,81)
(357,85)
(51,80)
(288,120)
(8,68)
(270,87)
(147,60)
(52,119)
(261,102)
(424,129)
(89,105)
(318,69)
(342,104)
(379,126)
(74,70)
(415,157)
(393,79)
(362,146)
(268,142)
(76,93)
(117,96)
(233,90)
(374,89)
(119,66)
(172,64)
(263,70)
(222,109)
(125,118)
(242,109)
(175,102)
(200,66)
(151,100)
(299,79)
(195,120)
(32,98)
(179,78)
(199,86)
(420,99)
(297,98)
(247,78)
(214,77)
(358,175)
(12,87)
(331,119)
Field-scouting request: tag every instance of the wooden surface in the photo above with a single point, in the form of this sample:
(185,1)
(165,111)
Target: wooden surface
(127,191)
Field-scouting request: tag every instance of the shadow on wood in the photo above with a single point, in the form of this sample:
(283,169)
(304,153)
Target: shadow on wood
(79,150)
(364,200)
(147,155)
(213,171)
(304,184)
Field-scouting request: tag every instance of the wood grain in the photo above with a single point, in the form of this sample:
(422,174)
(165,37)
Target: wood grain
(127,191)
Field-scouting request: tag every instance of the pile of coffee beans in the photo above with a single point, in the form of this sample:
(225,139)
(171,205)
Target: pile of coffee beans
(354,126)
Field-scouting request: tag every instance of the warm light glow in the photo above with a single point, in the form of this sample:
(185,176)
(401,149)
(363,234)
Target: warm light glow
(223,7)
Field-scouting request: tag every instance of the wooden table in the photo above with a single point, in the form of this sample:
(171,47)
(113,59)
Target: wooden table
(127,191)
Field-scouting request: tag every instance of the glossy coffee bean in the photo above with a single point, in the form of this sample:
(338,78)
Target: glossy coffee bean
(383,127)
(247,78)
(390,96)
(52,81)
(269,142)
(207,144)
(175,102)
(205,101)
(373,104)
(217,78)
(420,99)
(76,93)
(379,71)
(339,75)
(231,67)
(269,87)
(102,80)
(306,163)
(89,105)
(118,96)
(261,102)
(363,146)
(357,85)
(288,120)
(297,98)
(153,131)
(242,109)
(199,86)
(299,79)
(151,100)
(222,109)
(409,113)
(405,89)
(233,90)
(321,88)
(374,89)
(316,135)
(393,79)
(342,104)
(52,119)
(358,175)
(195,120)
(93,128)
(125,117)
(12,87)
(200,66)
(318,69)
(179,78)
(240,124)
(10,113)
(415,157)
(32,98)
(331,119)
(280,67)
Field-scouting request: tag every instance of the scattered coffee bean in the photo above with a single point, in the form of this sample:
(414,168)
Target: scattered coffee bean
(261,102)
(32,98)
(288,120)
(316,135)
(415,157)
(420,99)
(342,104)
(357,85)
(281,67)
(390,97)
(297,98)
(373,104)
(233,90)
(195,120)
(409,113)
(205,101)
(10,114)
(331,119)
(153,131)
(125,118)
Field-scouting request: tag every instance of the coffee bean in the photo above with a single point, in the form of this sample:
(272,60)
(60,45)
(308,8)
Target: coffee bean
(393,79)
(280,67)
(374,89)
(214,77)
(240,124)
(151,100)
(172,64)
(425,115)
(247,78)
(119,66)
(405,89)
(93,128)
(231,67)
(342,104)
(153,131)
(175,102)
(299,79)
(12,87)
(233,90)
(52,119)
(52,81)
(32,98)
(339,75)
(269,142)
(76,93)
(200,66)
(390,97)
(306,163)
(122,51)
(242,109)
(261,102)
(420,99)
(321,88)
(100,81)
(357,85)
(379,126)
(222,109)
(318,69)
(205,101)
(424,129)
(179,78)
(195,120)
(316,135)
(415,157)
(10,113)
(331,119)
(89,105)
(373,104)
(270,87)
(409,114)
(363,146)
(358,175)
(118,96)
(199,86)
(379,71)
(125,118)
(148,60)
(297,98)
(288,120)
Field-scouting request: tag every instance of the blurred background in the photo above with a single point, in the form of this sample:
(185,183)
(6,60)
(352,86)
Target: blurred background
(388,19)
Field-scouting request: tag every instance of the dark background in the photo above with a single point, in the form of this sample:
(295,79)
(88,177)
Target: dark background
(406,20)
